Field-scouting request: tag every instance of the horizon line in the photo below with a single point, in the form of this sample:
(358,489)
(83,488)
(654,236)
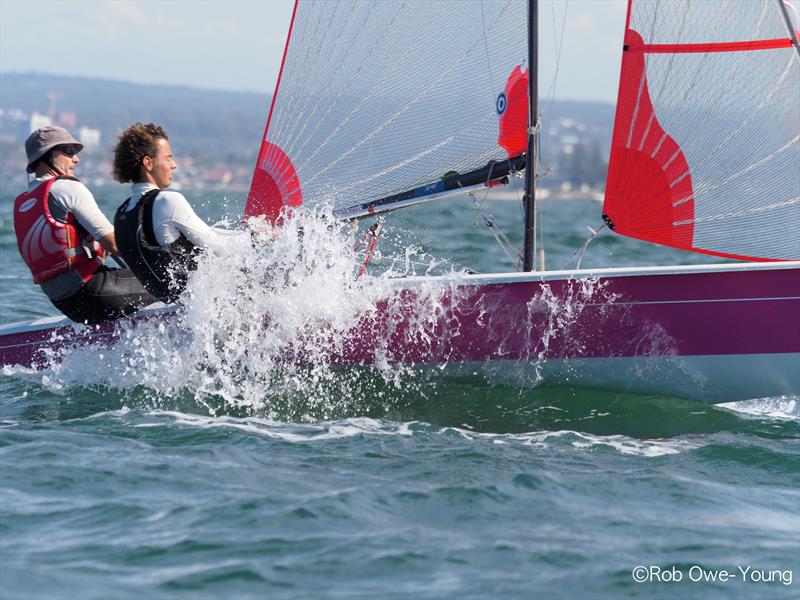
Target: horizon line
(221,90)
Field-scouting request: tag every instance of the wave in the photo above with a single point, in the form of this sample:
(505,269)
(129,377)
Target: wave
(367,428)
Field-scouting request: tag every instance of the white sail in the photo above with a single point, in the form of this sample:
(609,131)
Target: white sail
(706,148)
(384,98)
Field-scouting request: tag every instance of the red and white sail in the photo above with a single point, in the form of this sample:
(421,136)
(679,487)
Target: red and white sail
(377,99)
(705,154)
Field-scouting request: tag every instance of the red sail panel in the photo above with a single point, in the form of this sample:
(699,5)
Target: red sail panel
(512,109)
(649,186)
(275,186)
(706,142)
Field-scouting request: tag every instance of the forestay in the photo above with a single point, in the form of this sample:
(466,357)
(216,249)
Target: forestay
(382,100)
(706,148)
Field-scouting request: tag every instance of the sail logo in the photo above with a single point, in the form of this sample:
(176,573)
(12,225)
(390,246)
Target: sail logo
(502,103)
(27,205)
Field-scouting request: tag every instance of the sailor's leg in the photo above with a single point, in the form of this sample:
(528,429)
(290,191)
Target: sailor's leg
(108,295)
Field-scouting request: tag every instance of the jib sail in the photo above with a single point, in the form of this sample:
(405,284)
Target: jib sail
(705,153)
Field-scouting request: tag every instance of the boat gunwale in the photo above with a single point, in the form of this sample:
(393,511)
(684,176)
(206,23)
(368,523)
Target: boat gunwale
(604,272)
(461,279)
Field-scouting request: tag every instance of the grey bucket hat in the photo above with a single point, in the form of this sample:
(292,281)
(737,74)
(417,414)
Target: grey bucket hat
(44,139)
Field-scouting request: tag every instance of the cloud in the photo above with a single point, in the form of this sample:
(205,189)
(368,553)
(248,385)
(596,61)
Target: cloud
(116,18)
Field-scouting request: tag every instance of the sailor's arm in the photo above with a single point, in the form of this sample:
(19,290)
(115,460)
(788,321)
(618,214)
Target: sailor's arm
(77,199)
(173,208)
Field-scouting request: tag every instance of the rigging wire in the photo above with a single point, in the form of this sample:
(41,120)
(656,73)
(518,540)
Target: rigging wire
(513,253)
(582,250)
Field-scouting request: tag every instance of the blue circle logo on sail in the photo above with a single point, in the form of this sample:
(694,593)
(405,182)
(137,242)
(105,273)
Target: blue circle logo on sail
(502,103)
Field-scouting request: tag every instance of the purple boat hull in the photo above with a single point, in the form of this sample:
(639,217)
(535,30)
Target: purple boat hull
(716,333)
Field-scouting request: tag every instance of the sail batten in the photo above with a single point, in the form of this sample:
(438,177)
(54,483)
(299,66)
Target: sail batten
(746,46)
(706,143)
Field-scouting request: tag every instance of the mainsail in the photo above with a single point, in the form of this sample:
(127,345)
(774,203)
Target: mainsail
(705,153)
(384,102)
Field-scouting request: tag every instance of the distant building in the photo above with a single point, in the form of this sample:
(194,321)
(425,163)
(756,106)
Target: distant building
(218,177)
(14,124)
(14,114)
(89,137)
(38,121)
(68,120)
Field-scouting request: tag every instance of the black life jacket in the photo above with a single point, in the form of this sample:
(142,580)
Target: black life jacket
(163,270)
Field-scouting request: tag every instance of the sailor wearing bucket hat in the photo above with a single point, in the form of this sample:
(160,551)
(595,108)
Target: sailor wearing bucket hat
(64,237)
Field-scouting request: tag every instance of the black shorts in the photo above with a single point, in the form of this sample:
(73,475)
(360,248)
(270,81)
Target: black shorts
(108,295)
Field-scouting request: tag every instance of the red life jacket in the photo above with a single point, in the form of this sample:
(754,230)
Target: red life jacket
(50,247)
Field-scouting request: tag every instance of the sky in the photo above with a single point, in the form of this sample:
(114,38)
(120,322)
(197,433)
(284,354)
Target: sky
(237,45)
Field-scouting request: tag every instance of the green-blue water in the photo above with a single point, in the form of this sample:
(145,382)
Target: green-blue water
(446,486)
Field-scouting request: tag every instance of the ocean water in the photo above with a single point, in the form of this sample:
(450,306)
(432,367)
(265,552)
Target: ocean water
(183,471)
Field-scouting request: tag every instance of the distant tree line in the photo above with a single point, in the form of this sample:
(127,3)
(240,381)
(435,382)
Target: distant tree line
(211,126)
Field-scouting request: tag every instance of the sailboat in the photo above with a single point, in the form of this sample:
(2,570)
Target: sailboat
(380,106)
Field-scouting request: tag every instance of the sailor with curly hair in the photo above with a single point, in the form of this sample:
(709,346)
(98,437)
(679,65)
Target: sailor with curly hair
(158,233)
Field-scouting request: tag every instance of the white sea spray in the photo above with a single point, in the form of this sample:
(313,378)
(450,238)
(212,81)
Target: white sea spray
(552,313)
(281,324)
(780,408)
(268,324)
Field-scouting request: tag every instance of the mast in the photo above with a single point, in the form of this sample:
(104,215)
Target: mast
(529,196)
